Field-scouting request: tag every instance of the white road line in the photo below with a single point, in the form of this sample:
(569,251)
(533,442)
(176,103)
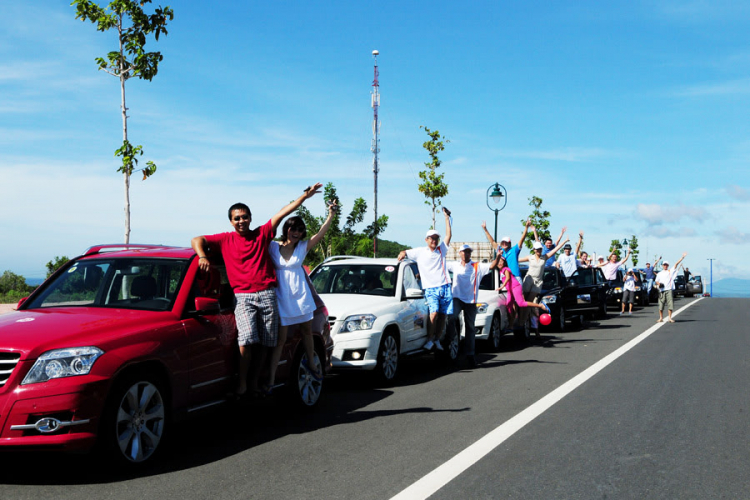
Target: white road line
(444,474)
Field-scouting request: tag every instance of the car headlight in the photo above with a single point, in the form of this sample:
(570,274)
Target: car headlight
(481,307)
(358,322)
(550,299)
(62,363)
(618,290)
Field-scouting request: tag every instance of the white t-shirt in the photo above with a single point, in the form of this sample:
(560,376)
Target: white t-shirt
(466,280)
(667,278)
(568,264)
(431,265)
(630,283)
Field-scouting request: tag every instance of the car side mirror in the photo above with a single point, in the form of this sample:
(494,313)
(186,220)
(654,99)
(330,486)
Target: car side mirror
(414,293)
(23,299)
(206,305)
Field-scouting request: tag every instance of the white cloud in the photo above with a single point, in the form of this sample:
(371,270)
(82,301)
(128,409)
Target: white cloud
(654,214)
(738,193)
(664,232)
(732,236)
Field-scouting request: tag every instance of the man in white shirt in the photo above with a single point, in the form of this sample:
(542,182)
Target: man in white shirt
(568,262)
(467,275)
(665,284)
(431,261)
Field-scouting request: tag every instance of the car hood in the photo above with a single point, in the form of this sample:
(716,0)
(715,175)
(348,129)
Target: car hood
(32,332)
(342,305)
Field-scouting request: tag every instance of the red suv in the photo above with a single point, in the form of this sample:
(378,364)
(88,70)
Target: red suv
(122,341)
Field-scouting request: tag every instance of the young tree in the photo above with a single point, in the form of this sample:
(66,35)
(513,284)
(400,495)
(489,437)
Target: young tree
(56,264)
(539,219)
(10,281)
(133,25)
(433,187)
(614,248)
(342,240)
(634,249)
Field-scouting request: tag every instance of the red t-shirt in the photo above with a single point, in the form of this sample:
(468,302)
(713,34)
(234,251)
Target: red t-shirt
(249,265)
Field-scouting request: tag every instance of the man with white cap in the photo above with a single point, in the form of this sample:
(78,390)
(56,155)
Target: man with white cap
(431,261)
(467,275)
(510,254)
(665,284)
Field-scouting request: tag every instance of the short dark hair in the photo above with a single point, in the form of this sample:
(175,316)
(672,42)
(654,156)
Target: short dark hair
(293,222)
(548,239)
(239,206)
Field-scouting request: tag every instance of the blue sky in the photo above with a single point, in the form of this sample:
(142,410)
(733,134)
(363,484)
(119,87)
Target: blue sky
(625,117)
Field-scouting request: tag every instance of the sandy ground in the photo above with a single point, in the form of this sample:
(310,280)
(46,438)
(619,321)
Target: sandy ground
(6,308)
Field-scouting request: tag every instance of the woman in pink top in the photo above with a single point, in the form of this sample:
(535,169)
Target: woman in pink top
(514,290)
(610,268)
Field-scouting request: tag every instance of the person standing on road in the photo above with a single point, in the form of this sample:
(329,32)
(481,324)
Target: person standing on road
(567,261)
(294,297)
(467,275)
(610,268)
(665,283)
(509,253)
(253,279)
(628,291)
(431,261)
(532,283)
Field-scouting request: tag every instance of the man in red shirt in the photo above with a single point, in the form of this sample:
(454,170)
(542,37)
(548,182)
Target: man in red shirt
(252,276)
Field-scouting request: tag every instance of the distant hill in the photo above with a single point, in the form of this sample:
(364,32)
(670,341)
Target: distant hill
(729,287)
(34,281)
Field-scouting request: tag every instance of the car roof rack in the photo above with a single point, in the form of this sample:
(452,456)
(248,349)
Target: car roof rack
(120,246)
(343,257)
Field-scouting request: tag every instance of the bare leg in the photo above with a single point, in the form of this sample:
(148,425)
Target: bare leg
(244,366)
(307,338)
(276,355)
(431,326)
(257,367)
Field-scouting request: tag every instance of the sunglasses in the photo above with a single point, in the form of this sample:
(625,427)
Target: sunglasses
(240,217)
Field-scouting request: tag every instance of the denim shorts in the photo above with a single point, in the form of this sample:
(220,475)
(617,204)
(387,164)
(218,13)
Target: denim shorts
(439,299)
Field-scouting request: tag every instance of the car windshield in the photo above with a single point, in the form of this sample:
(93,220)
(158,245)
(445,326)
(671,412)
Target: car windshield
(149,284)
(367,279)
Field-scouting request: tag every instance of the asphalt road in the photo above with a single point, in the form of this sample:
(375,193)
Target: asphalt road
(667,419)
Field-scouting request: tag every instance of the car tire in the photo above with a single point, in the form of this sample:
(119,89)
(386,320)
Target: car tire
(523,334)
(135,419)
(493,338)
(304,390)
(449,354)
(560,324)
(388,354)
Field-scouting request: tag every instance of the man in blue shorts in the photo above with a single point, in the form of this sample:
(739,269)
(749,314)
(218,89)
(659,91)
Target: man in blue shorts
(435,280)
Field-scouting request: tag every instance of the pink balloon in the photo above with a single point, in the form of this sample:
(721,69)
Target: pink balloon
(545,319)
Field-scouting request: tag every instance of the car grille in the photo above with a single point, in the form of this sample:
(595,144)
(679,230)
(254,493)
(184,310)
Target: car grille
(8,362)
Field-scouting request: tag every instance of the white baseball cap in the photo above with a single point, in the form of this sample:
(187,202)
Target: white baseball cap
(537,245)
(431,233)
(464,247)
(505,239)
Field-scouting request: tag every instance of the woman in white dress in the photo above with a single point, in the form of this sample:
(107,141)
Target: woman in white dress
(296,304)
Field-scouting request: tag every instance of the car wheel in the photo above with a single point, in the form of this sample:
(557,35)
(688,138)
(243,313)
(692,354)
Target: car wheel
(523,334)
(561,319)
(305,390)
(493,339)
(601,313)
(135,419)
(387,366)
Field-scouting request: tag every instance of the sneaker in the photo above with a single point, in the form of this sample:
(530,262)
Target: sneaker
(429,345)
(630,312)
(438,346)
(622,313)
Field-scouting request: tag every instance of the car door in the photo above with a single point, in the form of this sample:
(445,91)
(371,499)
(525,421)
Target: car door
(586,291)
(413,315)
(212,339)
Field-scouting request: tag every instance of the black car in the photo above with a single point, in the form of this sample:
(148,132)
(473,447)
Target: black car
(614,295)
(679,285)
(570,299)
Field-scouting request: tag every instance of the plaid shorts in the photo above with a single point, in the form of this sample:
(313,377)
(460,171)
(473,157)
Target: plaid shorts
(257,318)
(439,299)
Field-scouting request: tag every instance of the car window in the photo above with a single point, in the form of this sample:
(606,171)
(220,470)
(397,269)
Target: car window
(367,279)
(411,278)
(213,284)
(119,283)
(583,277)
(488,282)
(550,279)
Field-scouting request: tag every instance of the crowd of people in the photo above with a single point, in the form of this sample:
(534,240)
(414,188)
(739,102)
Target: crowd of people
(272,291)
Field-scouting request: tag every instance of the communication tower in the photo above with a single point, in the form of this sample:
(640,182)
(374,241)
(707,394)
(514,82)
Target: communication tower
(375,94)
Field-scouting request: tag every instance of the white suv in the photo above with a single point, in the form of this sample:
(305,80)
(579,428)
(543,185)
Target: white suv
(377,312)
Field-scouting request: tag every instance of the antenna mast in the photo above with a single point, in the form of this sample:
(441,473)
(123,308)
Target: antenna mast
(375,147)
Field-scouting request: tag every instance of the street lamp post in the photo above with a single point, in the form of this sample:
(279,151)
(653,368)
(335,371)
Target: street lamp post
(497,195)
(711,277)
